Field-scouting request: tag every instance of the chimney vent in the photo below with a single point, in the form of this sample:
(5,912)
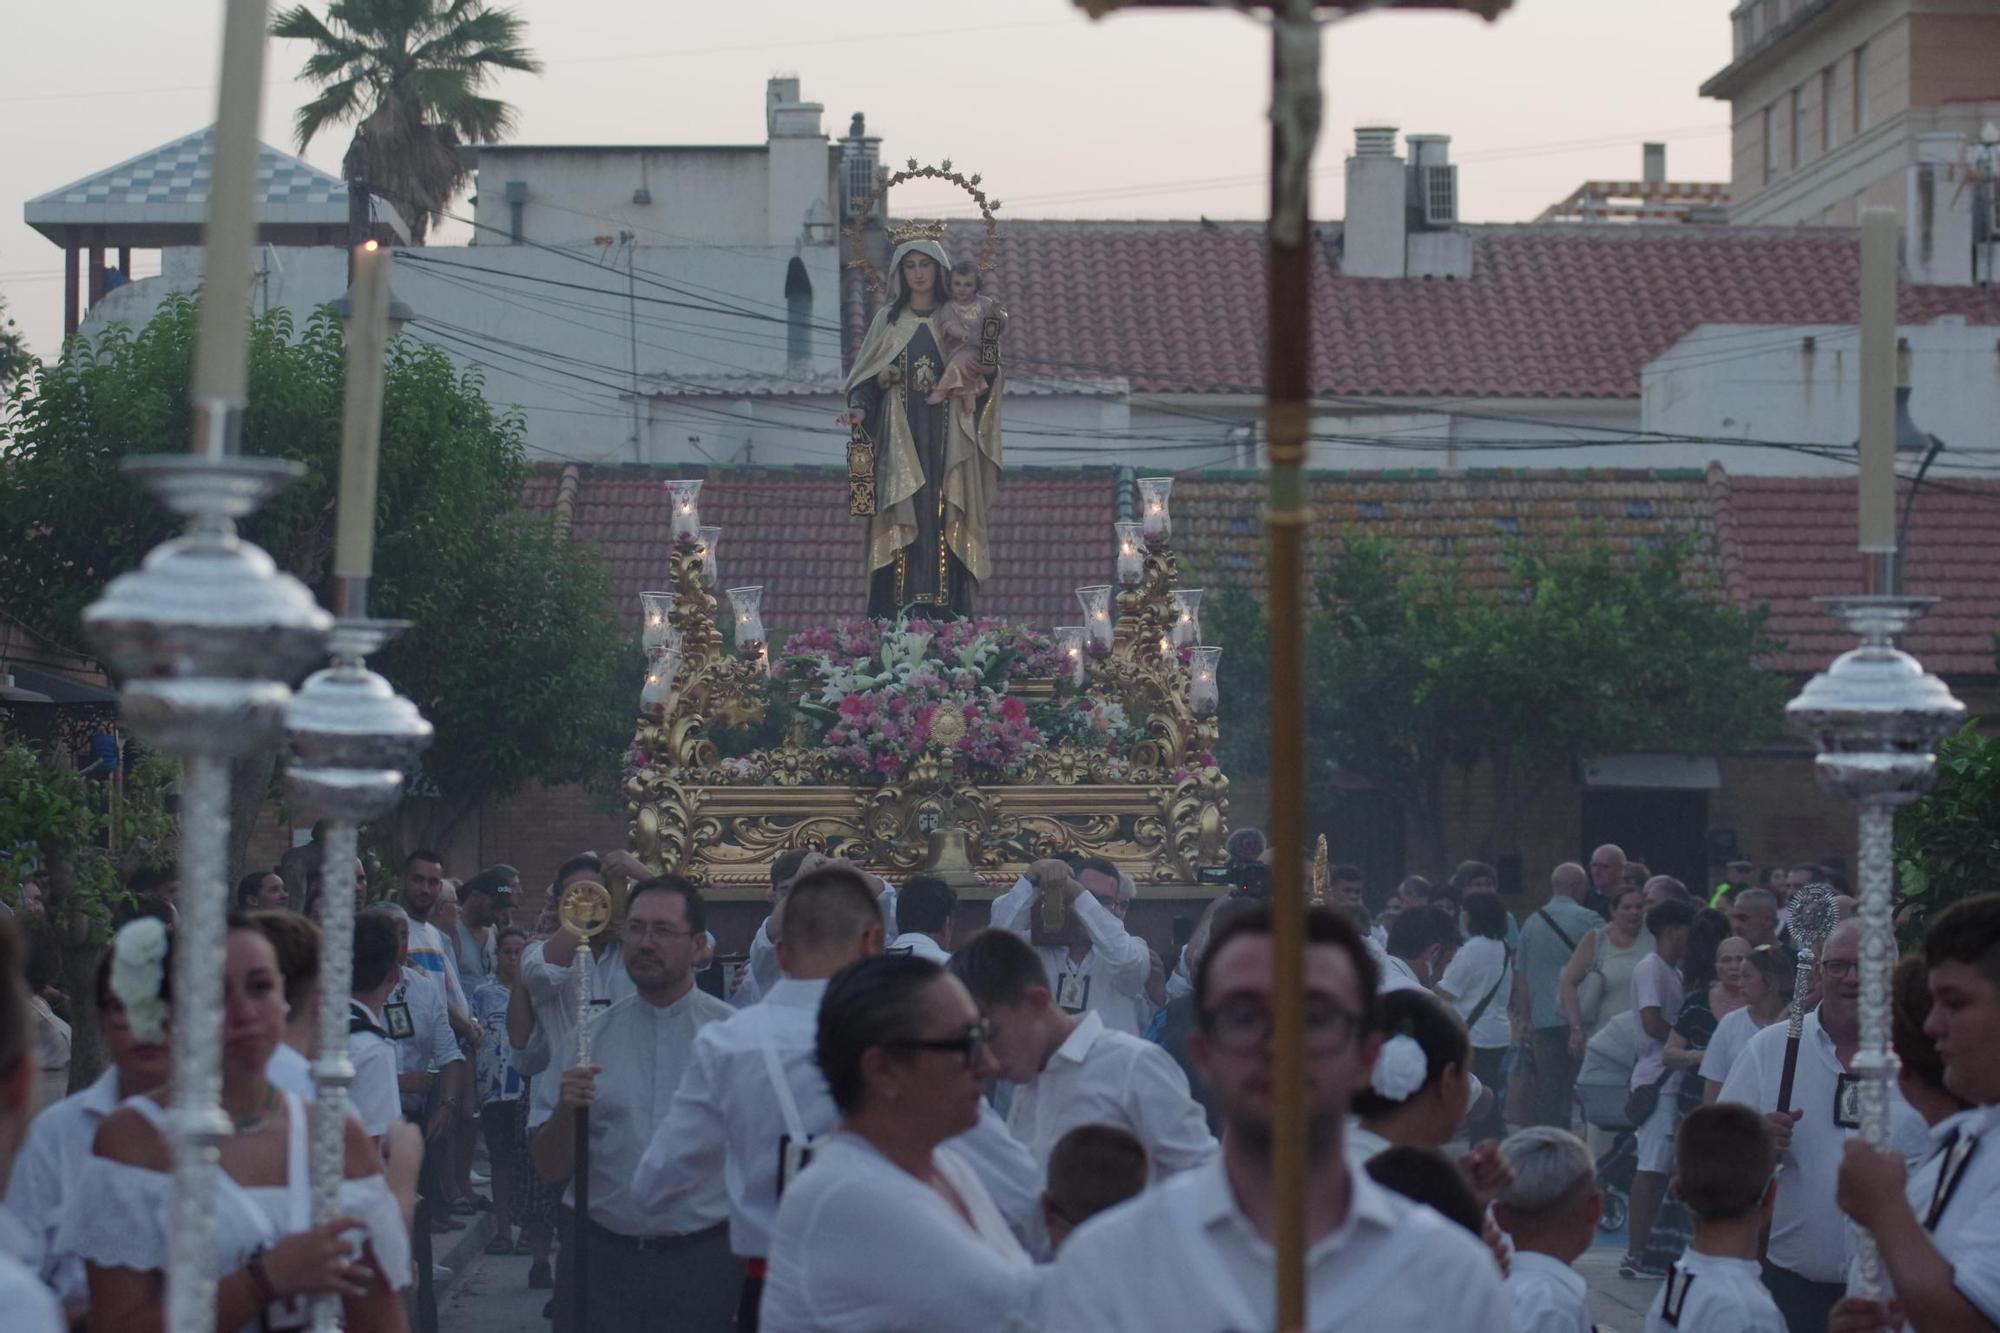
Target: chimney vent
(1656,163)
(1433,188)
(1375,141)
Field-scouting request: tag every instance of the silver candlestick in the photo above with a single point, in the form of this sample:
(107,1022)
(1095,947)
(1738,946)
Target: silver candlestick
(206,636)
(1876,716)
(352,739)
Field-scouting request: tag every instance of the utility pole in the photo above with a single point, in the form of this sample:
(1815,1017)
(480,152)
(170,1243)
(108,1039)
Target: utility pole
(1295,126)
(630,241)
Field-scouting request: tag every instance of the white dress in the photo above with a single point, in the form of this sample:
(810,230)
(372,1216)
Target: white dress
(128,1216)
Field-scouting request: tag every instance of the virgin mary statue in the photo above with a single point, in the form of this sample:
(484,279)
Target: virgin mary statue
(937,465)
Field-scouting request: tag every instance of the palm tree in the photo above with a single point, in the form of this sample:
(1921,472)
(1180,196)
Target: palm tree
(408,75)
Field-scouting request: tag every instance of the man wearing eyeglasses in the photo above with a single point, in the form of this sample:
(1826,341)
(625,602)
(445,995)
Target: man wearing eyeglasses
(648,1256)
(1805,1266)
(1204,1239)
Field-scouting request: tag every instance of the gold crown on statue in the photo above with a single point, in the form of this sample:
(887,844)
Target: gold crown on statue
(917,231)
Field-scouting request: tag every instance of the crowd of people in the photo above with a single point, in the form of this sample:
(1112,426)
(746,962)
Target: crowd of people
(877,1120)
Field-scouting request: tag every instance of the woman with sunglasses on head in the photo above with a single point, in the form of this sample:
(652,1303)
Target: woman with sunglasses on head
(903,1049)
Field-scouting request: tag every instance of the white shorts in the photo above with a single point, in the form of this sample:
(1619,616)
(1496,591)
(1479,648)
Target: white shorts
(1656,1135)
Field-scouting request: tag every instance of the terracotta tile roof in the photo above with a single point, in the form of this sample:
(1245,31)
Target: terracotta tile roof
(1786,540)
(1474,516)
(789,530)
(1550,311)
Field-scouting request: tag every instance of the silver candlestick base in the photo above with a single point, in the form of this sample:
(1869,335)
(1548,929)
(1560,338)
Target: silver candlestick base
(206,636)
(352,740)
(1876,717)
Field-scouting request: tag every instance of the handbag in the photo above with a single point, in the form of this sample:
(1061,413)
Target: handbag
(1642,1101)
(1590,996)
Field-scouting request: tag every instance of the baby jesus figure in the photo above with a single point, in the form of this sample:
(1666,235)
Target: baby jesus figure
(961,327)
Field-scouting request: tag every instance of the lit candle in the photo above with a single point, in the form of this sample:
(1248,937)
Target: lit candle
(1069,641)
(361,414)
(1878,380)
(686,517)
(1203,696)
(1187,616)
(221,366)
(1131,552)
(1154,519)
(706,541)
(661,668)
(1096,601)
(747,604)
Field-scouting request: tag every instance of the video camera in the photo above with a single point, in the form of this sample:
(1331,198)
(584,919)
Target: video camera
(1246,879)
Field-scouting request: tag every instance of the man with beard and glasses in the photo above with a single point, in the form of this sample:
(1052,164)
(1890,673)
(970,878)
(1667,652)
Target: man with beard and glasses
(1204,1238)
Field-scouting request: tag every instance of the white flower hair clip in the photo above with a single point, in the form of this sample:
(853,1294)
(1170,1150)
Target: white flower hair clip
(138,973)
(1400,1069)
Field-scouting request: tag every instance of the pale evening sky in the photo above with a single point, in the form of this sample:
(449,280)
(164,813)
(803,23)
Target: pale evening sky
(1146,114)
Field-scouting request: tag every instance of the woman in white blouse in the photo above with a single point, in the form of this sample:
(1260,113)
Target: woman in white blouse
(270,1260)
(885,1230)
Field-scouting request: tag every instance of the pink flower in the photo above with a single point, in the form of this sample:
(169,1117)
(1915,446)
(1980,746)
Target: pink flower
(853,706)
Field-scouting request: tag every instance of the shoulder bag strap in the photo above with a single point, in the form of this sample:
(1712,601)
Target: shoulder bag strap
(1479,1010)
(1561,934)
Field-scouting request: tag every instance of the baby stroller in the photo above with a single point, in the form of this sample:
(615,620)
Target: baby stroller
(1603,1081)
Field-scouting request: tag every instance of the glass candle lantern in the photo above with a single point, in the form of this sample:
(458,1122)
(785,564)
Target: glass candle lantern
(1096,602)
(1131,553)
(1203,697)
(707,540)
(654,626)
(1155,522)
(686,516)
(746,604)
(1187,616)
(661,668)
(1069,642)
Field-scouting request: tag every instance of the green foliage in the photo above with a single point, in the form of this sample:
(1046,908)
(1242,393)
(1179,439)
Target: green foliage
(15,358)
(1948,842)
(409,75)
(515,656)
(1411,671)
(58,828)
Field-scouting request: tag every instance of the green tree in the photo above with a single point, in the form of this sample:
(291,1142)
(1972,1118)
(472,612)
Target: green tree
(515,656)
(75,839)
(1948,842)
(1412,672)
(409,75)
(15,358)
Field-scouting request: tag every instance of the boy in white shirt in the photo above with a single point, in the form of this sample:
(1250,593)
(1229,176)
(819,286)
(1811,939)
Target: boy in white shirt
(1727,1176)
(1551,1209)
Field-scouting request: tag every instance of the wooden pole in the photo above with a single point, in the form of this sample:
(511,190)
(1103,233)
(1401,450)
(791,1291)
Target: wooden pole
(1288,414)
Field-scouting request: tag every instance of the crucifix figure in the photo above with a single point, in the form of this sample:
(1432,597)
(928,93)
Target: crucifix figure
(1295,125)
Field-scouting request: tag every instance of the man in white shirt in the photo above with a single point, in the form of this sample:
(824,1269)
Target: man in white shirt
(1092,961)
(373,1094)
(753,1099)
(1422,941)
(550,983)
(1550,1209)
(423,883)
(1805,1265)
(1195,1252)
(58,1142)
(650,1259)
(1656,1000)
(1070,1069)
(923,917)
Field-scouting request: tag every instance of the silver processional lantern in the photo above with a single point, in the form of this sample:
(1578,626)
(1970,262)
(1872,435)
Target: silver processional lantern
(206,635)
(1876,717)
(352,740)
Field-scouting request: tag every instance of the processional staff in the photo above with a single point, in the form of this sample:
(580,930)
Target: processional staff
(1288,390)
(1815,911)
(585,911)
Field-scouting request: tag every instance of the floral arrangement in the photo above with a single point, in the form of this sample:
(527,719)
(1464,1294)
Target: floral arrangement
(138,977)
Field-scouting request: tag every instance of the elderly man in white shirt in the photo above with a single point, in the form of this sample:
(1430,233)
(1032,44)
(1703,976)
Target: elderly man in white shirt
(754,1103)
(1071,1070)
(652,1258)
(58,1142)
(1805,1265)
(923,918)
(1093,962)
(1550,1209)
(1196,1251)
